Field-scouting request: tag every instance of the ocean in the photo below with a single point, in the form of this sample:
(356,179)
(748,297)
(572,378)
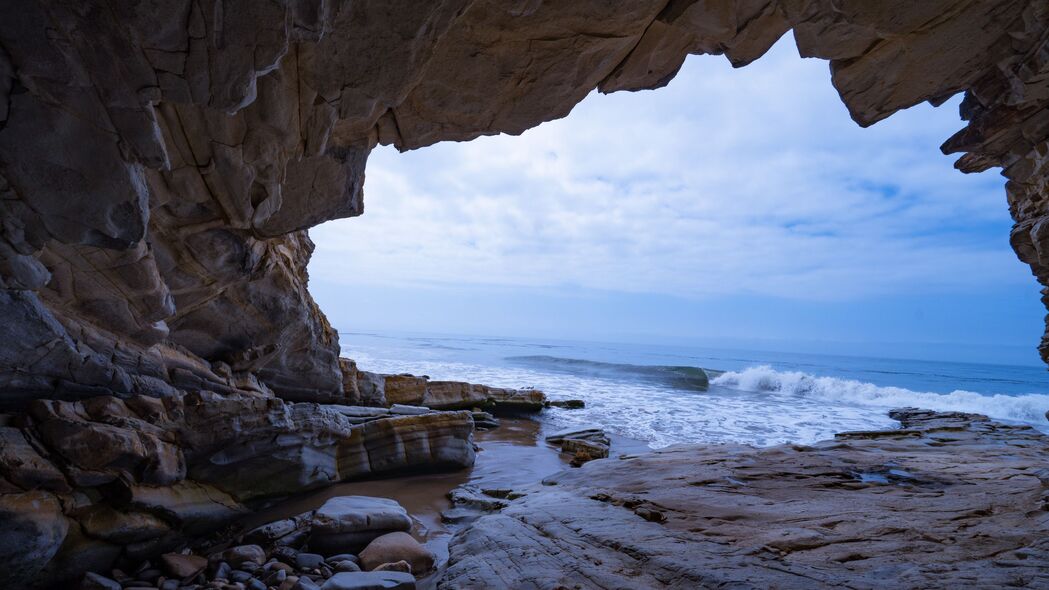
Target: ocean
(653,393)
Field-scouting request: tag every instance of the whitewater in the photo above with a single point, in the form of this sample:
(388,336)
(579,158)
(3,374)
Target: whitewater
(654,393)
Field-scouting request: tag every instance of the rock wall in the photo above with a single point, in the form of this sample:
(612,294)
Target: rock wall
(161,161)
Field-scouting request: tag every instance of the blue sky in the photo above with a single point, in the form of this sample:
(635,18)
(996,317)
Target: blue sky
(733,206)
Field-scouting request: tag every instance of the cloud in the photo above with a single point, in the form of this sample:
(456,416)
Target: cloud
(751,181)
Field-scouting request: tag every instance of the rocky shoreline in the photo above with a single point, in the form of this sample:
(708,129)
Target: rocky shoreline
(947,499)
(89,485)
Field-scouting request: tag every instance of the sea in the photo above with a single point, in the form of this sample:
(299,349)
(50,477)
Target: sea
(656,394)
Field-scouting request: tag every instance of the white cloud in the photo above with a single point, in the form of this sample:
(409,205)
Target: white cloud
(728,181)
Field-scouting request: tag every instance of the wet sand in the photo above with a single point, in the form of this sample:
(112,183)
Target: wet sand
(511,456)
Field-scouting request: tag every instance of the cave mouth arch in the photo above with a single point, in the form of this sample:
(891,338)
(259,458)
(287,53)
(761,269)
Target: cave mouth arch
(723,185)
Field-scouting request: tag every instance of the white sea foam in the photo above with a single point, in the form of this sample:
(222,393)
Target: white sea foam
(1030,408)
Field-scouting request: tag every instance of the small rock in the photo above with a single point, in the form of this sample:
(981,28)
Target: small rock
(93,581)
(568,404)
(650,515)
(239,576)
(285,554)
(343,557)
(182,566)
(255,584)
(275,578)
(269,533)
(236,556)
(170,585)
(579,458)
(589,434)
(223,571)
(397,566)
(309,560)
(395,547)
(371,581)
(149,575)
(289,583)
(305,583)
(345,566)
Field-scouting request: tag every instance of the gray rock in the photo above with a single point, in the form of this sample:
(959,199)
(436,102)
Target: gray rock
(305,583)
(345,566)
(408,410)
(370,581)
(93,581)
(349,523)
(309,560)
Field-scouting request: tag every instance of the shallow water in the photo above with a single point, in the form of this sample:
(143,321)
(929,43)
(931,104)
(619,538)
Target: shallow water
(649,393)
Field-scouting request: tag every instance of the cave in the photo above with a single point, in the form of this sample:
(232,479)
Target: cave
(161,163)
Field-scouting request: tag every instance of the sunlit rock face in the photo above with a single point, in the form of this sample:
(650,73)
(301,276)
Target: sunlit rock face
(161,161)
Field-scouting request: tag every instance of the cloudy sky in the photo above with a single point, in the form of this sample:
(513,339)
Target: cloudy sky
(733,206)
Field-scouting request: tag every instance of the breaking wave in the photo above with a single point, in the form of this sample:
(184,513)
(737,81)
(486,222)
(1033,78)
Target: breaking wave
(678,377)
(1030,408)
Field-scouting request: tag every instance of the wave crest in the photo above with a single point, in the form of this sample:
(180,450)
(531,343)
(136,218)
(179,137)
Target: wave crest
(1030,408)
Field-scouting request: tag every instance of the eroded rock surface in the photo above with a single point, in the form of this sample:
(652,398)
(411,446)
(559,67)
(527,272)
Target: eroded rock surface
(946,501)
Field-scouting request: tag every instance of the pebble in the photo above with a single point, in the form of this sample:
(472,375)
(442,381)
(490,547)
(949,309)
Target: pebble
(94,581)
(309,560)
(223,571)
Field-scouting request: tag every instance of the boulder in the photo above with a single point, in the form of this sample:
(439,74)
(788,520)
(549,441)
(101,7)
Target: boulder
(395,547)
(349,523)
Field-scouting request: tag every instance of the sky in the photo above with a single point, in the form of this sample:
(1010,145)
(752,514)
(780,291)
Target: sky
(737,207)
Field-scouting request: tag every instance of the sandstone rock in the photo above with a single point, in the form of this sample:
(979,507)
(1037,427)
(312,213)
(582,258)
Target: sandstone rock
(396,547)
(23,466)
(822,516)
(349,523)
(405,389)
(370,581)
(104,522)
(197,507)
(182,566)
(584,449)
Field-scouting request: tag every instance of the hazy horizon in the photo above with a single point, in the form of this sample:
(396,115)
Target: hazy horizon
(733,206)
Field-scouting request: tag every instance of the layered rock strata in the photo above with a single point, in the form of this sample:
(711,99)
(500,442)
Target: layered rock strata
(86,484)
(946,501)
(161,161)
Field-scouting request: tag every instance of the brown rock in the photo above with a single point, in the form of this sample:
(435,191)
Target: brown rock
(405,389)
(397,547)
(861,511)
(182,566)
